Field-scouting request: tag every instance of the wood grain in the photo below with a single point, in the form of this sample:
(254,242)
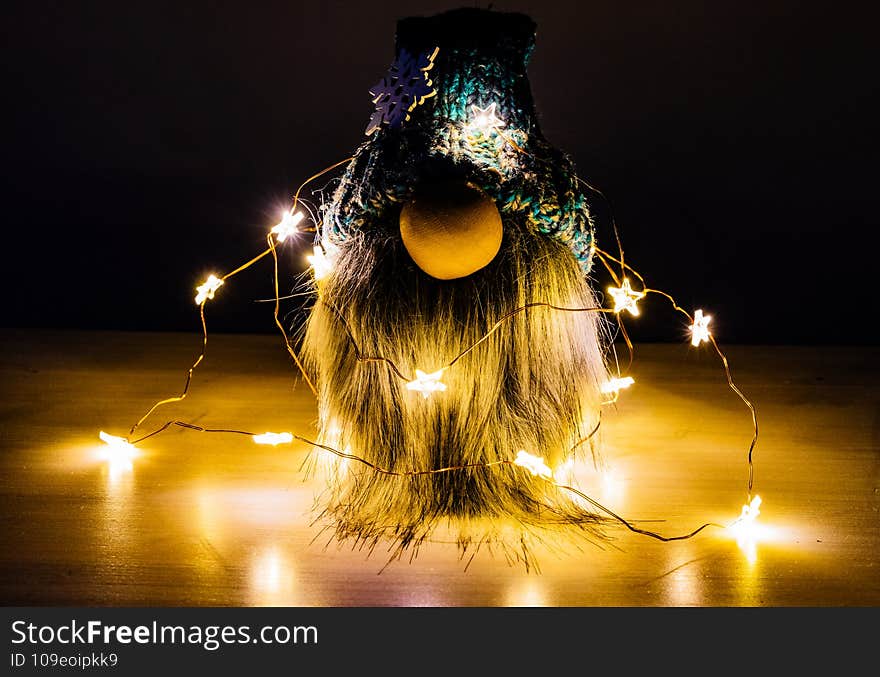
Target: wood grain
(216,520)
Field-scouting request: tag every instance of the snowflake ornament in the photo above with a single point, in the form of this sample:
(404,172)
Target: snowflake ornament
(404,87)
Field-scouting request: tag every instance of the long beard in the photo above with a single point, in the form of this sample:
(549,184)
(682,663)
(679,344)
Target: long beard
(532,385)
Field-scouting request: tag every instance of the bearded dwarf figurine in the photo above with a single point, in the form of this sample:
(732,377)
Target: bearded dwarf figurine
(438,355)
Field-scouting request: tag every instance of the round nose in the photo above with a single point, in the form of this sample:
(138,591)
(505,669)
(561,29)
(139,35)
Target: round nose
(450,229)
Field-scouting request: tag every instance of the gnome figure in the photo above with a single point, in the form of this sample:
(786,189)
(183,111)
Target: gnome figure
(454,332)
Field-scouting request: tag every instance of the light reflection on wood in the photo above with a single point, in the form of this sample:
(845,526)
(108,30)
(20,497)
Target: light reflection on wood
(217,520)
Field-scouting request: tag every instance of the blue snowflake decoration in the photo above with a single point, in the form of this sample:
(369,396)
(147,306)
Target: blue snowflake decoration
(404,87)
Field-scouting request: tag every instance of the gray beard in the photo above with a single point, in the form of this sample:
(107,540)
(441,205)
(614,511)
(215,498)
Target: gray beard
(532,385)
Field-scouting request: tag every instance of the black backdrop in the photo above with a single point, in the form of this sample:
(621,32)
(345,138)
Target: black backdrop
(148,143)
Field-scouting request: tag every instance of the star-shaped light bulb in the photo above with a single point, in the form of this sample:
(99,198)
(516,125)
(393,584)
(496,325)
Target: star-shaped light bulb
(207,289)
(745,528)
(427,383)
(273,438)
(484,120)
(534,464)
(287,226)
(321,263)
(700,328)
(119,454)
(118,443)
(626,298)
(615,385)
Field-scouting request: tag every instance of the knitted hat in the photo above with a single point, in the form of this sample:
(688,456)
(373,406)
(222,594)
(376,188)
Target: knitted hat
(457,105)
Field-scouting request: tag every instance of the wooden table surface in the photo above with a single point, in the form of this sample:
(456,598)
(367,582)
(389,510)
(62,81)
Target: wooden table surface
(206,519)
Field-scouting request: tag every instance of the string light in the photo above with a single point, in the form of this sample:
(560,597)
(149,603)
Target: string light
(360,357)
(484,120)
(534,464)
(287,226)
(427,383)
(615,385)
(321,264)
(626,298)
(206,291)
(273,438)
(208,288)
(700,328)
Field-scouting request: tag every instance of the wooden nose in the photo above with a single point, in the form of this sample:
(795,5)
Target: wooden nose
(450,229)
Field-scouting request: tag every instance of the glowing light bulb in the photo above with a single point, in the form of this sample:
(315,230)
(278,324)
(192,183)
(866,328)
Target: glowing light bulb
(563,472)
(208,288)
(750,512)
(116,442)
(615,385)
(626,298)
(534,464)
(287,226)
(745,529)
(321,264)
(119,454)
(484,120)
(700,328)
(427,383)
(273,438)
(612,485)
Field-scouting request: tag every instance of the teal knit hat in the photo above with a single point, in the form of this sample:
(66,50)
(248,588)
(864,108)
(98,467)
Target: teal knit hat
(449,70)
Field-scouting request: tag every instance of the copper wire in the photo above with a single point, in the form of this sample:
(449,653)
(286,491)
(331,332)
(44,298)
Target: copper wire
(360,357)
(603,256)
(437,471)
(189,374)
(244,266)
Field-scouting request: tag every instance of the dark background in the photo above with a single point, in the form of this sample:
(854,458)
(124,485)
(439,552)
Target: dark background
(149,143)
